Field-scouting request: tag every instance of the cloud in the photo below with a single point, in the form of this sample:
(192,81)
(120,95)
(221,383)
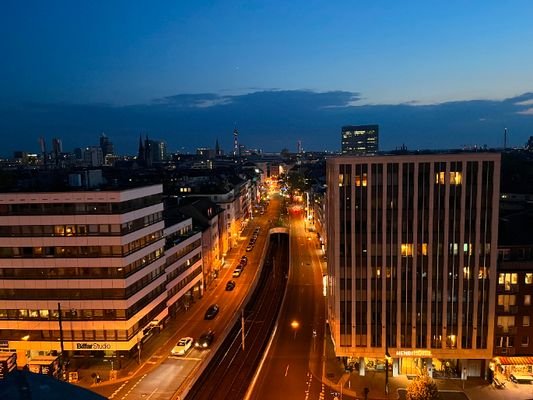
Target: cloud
(199,100)
(525,103)
(528,111)
(266,119)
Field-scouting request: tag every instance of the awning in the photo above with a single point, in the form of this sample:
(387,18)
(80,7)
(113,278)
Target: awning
(516,360)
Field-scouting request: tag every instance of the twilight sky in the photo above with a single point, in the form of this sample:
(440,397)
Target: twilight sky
(432,74)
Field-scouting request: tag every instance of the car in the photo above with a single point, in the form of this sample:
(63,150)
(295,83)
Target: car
(211,312)
(182,347)
(237,272)
(230,285)
(205,340)
(249,248)
(244,260)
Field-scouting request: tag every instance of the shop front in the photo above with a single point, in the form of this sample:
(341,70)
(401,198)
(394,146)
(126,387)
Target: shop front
(416,362)
(517,369)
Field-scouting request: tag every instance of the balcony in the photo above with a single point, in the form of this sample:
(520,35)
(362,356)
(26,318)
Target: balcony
(506,310)
(504,350)
(507,288)
(507,330)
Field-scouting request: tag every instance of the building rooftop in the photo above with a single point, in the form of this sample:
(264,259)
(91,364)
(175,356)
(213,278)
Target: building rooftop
(25,385)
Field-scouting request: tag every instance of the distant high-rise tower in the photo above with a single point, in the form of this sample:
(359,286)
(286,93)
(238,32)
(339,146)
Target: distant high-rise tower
(57,146)
(360,139)
(505,139)
(299,146)
(106,145)
(217,149)
(141,155)
(235,143)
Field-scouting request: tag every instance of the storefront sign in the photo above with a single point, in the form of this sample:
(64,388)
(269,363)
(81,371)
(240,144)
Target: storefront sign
(413,353)
(4,344)
(93,346)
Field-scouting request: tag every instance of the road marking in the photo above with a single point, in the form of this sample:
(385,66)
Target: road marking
(287,370)
(151,394)
(191,359)
(133,387)
(118,390)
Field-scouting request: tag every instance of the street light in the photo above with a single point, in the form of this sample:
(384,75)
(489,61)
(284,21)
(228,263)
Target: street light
(295,325)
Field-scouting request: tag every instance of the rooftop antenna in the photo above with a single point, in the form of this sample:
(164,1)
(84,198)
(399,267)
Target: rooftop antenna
(235,143)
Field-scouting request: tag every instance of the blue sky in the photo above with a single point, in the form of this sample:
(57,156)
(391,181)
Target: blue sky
(126,56)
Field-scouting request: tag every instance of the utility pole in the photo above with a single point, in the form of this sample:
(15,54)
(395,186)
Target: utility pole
(139,348)
(61,364)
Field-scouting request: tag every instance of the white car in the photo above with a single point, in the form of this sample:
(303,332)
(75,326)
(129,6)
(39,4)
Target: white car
(183,345)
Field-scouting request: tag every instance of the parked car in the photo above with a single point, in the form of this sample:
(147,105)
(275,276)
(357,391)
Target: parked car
(250,247)
(205,340)
(230,285)
(212,311)
(244,260)
(182,347)
(237,272)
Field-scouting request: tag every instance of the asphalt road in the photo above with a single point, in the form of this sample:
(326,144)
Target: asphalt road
(293,367)
(161,375)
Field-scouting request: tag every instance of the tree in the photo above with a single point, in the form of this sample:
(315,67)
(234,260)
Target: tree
(422,388)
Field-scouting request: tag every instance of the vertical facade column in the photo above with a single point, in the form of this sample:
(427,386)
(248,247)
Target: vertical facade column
(431,249)
(477,252)
(460,299)
(445,254)
(414,270)
(398,252)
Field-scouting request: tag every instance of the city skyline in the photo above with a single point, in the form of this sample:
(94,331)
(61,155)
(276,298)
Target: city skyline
(189,73)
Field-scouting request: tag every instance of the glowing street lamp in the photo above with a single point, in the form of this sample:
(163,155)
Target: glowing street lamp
(295,325)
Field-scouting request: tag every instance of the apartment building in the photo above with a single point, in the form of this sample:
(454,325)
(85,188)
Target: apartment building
(412,254)
(513,344)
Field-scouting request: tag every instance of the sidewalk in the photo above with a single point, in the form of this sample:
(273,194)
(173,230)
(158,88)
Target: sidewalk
(353,384)
(124,368)
(128,368)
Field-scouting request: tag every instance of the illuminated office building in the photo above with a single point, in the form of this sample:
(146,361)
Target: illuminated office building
(360,139)
(412,255)
(98,255)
